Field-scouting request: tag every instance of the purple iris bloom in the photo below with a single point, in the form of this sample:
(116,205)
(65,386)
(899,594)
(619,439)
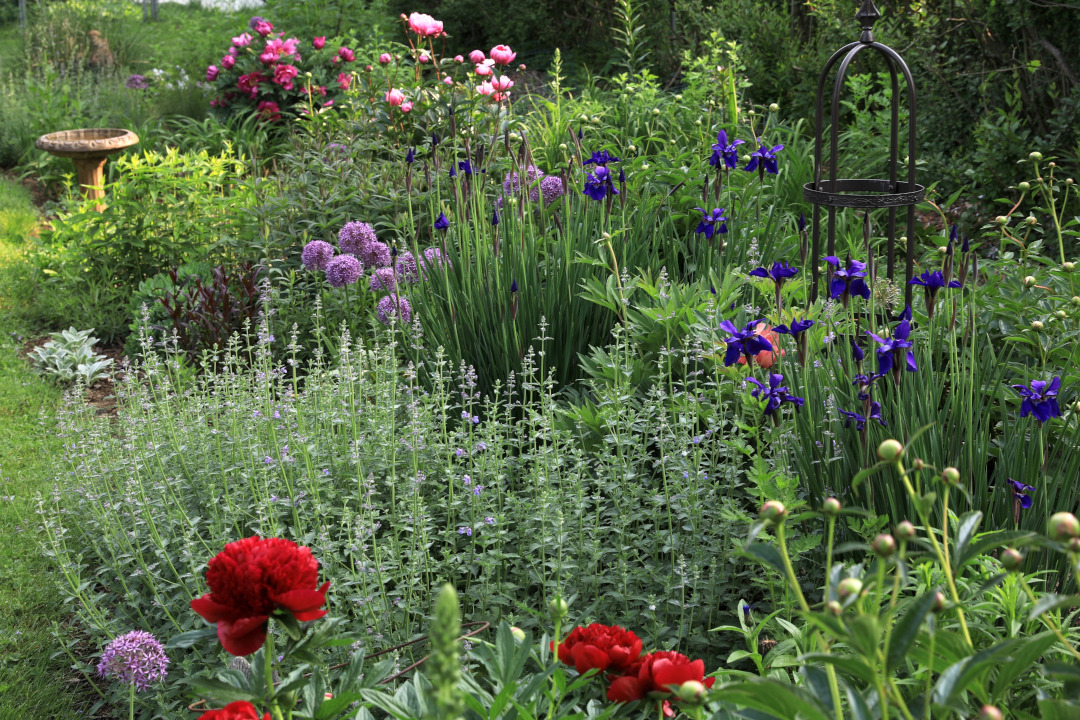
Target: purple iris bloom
(711,223)
(779,272)
(743,342)
(891,351)
(798,327)
(442,222)
(1019,490)
(1040,399)
(453,172)
(766,158)
(495,217)
(724,153)
(954,234)
(847,281)
(802,222)
(599,183)
(856,351)
(905,315)
(774,393)
(860,420)
(465,167)
(600,159)
(410,156)
(865,384)
(932,281)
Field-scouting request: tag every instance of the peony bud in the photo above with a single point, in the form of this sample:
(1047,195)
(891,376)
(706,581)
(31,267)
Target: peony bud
(834,608)
(831,507)
(1068,181)
(989,712)
(1011,559)
(558,609)
(773,511)
(1063,526)
(849,587)
(1029,281)
(1061,314)
(884,545)
(774,108)
(1001,219)
(518,633)
(904,530)
(950,475)
(1075,300)
(1069,266)
(691,691)
(1025,186)
(1036,155)
(1031,220)
(890,451)
(919,464)
(1037,325)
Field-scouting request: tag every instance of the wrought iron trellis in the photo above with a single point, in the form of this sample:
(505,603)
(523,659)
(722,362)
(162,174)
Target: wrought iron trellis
(866,194)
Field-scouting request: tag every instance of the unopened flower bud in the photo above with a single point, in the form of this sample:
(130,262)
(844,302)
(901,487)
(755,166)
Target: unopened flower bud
(1037,325)
(1063,526)
(1036,155)
(773,511)
(1069,266)
(904,530)
(751,112)
(890,450)
(1029,281)
(521,67)
(698,121)
(831,507)
(1001,219)
(1031,220)
(1011,559)
(594,120)
(834,608)
(518,633)
(939,602)
(678,97)
(849,587)
(1074,545)
(774,108)
(1025,186)
(632,148)
(1068,181)
(656,111)
(1052,164)
(884,545)
(691,691)
(1075,300)
(943,249)
(558,609)
(989,712)
(950,475)
(919,464)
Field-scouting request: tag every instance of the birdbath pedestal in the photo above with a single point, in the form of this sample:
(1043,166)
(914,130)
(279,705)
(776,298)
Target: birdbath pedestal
(88,149)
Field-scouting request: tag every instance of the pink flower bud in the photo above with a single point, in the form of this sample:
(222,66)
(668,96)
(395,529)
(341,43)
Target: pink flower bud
(448,80)
(424,57)
(395,97)
(319,42)
(477,56)
(385,59)
(227,62)
(406,107)
(459,59)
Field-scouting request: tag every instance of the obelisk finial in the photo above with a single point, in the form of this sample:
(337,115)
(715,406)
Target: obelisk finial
(868,14)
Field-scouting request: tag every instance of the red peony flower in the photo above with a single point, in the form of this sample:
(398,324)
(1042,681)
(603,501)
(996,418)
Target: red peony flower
(252,578)
(765,358)
(609,649)
(655,674)
(269,110)
(239,710)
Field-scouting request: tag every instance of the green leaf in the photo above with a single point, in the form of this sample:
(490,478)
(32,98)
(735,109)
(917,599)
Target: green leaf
(907,629)
(1023,658)
(857,703)
(850,665)
(217,689)
(192,637)
(969,523)
(955,678)
(776,698)
(766,554)
(1051,601)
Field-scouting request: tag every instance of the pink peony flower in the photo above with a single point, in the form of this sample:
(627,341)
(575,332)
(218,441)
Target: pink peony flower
(242,40)
(232,51)
(319,42)
(346,54)
(502,84)
(249,83)
(344,80)
(424,57)
(269,111)
(385,59)
(459,59)
(406,107)
(477,56)
(368,68)
(485,88)
(503,55)
(395,97)
(211,73)
(448,80)
(328,103)
(227,62)
(484,68)
(284,74)
(425,25)
(263,28)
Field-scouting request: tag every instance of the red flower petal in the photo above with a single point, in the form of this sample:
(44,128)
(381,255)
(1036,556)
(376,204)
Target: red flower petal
(666,672)
(587,657)
(668,710)
(244,636)
(210,610)
(301,602)
(239,710)
(626,689)
(708,682)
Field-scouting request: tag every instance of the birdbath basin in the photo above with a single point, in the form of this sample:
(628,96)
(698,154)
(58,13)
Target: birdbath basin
(88,149)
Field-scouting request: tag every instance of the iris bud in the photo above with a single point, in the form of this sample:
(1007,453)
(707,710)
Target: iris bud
(884,545)
(834,608)
(1036,155)
(890,450)
(773,511)
(1063,525)
(1011,559)
(849,587)
(989,712)
(950,475)
(904,530)
(1025,186)
(691,691)
(1029,281)
(558,609)
(1069,266)
(774,108)
(1037,325)
(831,507)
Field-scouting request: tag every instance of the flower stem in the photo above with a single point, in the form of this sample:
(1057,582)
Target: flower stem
(131,702)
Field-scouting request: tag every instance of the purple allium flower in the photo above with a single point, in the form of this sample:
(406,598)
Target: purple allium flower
(355,237)
(317,254)
(434,260)
(406,268)
(442,222)
(1020,490)
(1040,399)
(135,658)
(255,21)
(375,255)
(389,304)
(599,183)
(712,223)
(891,353)
(383,279)
(344,270)
(511,184)
(743,342)
(551,188)
(766,158)
(137,82)
(847,281)
(725,153)
(774,393)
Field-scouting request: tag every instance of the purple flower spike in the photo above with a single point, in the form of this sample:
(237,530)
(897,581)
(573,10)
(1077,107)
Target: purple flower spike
(1040,399)
(135,658)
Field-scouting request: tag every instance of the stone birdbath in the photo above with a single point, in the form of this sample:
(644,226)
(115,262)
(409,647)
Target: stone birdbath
(88,149)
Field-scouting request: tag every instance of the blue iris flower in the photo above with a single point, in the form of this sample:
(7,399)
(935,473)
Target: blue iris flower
(601,159)
(856,351)
(495,217)
(598,184)
(774,393)
(725,153)
(847,281)
(797,328)
(711,223)
(410,156)
(892,350)
(860,420)
(1040,399)
(442,222)
(743,342)
(1020,491)
(465,167)
(764,157)
(779,272)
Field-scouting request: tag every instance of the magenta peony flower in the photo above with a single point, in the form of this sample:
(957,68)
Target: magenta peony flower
(395,97)
(284,74)
(344,80)
(346,54)
(227,62)
(484,69)
(242,40)
(263,28)
(385,59)
(391,305)
(269,111)
(319,42)
(406,106)
(459,59)
(344,270)
(317,254)
(503,55)
(211,73)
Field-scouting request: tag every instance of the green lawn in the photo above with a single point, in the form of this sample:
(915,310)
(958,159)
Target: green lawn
(35,681)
